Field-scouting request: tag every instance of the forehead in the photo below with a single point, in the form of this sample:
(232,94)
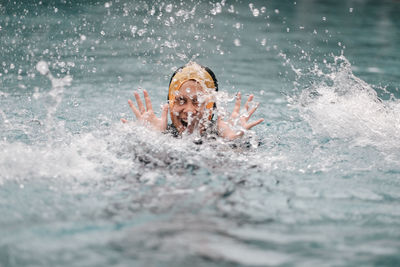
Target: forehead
(191,87)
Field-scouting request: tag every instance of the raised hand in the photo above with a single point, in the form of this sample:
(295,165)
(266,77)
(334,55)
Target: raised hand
(234,127)
(147,116)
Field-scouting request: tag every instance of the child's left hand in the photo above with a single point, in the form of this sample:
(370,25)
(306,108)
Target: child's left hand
(226,128)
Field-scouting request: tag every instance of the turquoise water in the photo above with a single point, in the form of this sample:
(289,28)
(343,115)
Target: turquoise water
(79,188)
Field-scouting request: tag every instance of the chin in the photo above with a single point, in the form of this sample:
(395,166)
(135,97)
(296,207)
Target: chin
(187,129)
(184,127)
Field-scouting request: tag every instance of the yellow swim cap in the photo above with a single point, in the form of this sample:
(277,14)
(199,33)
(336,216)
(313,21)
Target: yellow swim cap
(192,71)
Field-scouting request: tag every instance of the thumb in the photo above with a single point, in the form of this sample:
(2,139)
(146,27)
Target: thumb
(221,117)
(164,113)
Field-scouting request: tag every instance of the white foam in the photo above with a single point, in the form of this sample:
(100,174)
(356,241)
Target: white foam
(20,162)
(344,106)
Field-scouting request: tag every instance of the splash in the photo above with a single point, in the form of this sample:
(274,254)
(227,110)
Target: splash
(47,158)
(55,94)
(341,105)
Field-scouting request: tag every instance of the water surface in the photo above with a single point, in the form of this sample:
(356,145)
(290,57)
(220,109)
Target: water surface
(79,188)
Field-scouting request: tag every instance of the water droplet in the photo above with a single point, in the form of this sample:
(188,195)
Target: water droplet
(236,42)
(42,67)
(133,30)
(216,10)
(276,11)
(36,93)
(168,8)
(107,4)
(83,37)
(141,32)
(256,12)
(374,70)
(351,10)
(324,18)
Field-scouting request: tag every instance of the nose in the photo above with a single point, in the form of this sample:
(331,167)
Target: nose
(191,108)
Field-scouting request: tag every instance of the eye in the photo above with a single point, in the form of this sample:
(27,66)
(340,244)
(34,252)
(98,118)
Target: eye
(195,102)
(181,101)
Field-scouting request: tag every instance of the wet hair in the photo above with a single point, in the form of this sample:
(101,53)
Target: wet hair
(206,69)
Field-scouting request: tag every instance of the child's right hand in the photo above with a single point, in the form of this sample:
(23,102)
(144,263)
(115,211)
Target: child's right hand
(148,117)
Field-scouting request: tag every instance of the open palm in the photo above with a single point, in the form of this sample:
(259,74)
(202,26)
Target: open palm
(228,129)
(147,116)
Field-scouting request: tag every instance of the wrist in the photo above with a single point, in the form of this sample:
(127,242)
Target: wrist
(230,135)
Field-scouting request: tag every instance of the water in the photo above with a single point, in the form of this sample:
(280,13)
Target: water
(79,188)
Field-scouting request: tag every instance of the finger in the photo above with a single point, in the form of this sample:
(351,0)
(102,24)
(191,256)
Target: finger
(139,102)
(164,113)
(251,111)
(246,106)
(221,116)
(134,109)
(236,109)
(147,100)
(124,120)
(254,123)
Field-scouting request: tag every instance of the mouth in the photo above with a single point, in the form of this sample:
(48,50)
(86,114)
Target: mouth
(187,122)
(184,123)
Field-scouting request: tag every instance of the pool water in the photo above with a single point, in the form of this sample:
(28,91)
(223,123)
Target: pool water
(319,185)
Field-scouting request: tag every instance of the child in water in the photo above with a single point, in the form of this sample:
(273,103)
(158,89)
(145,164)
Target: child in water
(191,102)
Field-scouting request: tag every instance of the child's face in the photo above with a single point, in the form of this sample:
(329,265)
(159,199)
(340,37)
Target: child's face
(189,106)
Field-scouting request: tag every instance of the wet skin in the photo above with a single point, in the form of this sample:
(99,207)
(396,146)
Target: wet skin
(189,111)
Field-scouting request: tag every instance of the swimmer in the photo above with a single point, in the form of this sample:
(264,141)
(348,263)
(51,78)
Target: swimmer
(191,102)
